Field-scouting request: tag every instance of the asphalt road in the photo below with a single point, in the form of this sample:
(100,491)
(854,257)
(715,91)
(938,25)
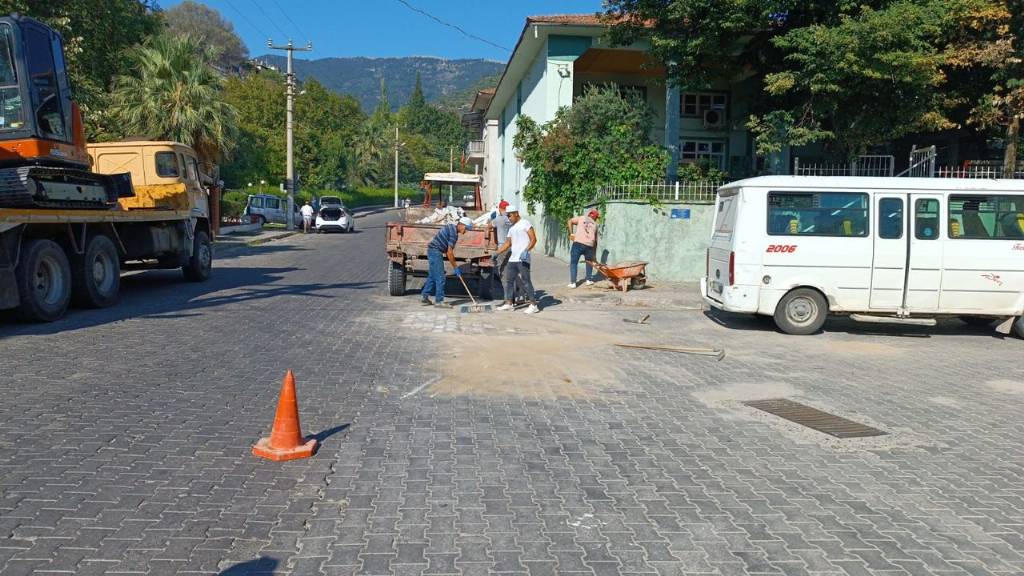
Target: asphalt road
(490,443)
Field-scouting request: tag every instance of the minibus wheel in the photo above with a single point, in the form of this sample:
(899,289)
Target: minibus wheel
(1018,327)
(801,311)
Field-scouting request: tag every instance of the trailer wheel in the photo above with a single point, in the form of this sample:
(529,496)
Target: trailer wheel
(200,265)
(1018,327)
(486,286)
(801,311)
(96,274)
(396,279)
(44,281)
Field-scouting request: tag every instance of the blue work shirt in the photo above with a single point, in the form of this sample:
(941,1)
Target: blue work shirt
(445,238)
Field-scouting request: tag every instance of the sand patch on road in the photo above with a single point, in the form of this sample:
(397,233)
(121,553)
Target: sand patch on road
(1006,386)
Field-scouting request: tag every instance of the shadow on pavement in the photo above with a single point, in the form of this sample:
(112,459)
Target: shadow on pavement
(164,294)
(261,565)
(839,324)
(325,434)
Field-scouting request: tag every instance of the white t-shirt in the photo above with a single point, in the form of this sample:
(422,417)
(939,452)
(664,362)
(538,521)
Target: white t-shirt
(519,234)
(307,211)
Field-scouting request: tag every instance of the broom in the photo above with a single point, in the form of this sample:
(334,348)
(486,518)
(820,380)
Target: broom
(475,306)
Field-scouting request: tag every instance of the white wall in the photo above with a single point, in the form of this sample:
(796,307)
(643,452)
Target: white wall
(533,92)
(492,165)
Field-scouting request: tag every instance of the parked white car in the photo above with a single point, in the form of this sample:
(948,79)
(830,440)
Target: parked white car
(333,218)
(904,250)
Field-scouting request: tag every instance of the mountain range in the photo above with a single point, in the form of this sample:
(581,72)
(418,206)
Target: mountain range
(443,80)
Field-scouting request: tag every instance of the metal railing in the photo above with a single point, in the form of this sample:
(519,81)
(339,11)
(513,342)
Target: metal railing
(975,171)
(689,192)
(869,165)
(475,148)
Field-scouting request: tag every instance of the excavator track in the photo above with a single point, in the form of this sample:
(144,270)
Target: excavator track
(53,187)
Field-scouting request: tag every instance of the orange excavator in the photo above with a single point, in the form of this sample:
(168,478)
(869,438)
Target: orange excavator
(43,158)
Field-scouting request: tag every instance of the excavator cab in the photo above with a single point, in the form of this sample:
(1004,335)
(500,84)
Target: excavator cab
(43,158)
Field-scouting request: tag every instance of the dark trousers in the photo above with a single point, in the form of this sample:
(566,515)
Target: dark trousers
(575,252)
(435,276)
(519,272)
(501,273)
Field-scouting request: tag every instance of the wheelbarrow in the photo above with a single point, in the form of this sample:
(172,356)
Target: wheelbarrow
(623,275)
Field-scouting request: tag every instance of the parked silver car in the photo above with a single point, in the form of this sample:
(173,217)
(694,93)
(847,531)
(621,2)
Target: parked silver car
(269,208)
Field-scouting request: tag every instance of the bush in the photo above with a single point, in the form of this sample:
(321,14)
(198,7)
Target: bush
(232,203)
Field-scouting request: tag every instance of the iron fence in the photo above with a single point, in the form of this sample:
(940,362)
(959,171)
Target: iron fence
(975,171)
(689,192)
(870,165)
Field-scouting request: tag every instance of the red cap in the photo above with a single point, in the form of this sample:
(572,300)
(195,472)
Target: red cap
(594,214)
(503,204)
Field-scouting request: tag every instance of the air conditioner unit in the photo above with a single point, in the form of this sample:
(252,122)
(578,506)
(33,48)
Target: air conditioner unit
(714,118)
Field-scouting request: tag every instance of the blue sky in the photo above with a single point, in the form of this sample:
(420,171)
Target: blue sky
(386,27)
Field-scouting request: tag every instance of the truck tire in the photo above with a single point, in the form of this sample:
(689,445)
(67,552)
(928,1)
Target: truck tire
(200,265)
(1018,327)
(396,279)
(43,276)
(801,311)
(96,274)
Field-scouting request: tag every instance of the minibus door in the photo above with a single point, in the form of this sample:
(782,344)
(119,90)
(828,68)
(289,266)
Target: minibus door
(889,264)
(924,275)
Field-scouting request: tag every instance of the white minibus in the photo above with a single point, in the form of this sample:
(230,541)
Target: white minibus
(880,249)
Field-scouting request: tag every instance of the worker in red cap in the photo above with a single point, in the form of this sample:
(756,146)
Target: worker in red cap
(583,235)
(501,223)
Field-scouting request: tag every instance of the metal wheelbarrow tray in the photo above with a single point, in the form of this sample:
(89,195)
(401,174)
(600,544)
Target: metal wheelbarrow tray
(624,275)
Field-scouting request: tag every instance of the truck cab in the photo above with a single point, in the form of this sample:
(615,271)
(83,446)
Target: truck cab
(165,175)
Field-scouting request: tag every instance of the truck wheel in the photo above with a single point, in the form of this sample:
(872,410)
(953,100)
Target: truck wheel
(396,279)
(96,274)
(200,265)
(1018,327)
(801,311)
(44,281)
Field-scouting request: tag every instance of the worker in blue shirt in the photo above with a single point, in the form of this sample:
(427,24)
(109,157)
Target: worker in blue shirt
(443,245)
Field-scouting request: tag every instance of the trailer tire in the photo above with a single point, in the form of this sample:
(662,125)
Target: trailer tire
(801,311)
(486,286)
(200,264)
(1018,327)
(44,281)
(96,274)
(396,279)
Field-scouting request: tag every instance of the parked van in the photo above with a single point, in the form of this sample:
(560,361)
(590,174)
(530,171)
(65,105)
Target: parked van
(881,249)
(269,208)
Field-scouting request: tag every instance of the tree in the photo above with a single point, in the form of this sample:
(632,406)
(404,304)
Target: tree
(327,125)
(97,36)
(175,94)
(993,48)
(209,28)
(602,139)
(260,153)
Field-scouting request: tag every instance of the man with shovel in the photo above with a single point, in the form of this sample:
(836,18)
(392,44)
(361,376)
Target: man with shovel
(443,245)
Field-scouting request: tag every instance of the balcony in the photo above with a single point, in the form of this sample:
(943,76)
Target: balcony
(475,149)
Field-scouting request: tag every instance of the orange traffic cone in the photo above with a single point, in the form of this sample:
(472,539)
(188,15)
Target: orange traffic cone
(285,442)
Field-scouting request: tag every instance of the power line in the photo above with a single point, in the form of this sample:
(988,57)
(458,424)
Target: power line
(287,17)
(443,23)
(272,21)
(246,18)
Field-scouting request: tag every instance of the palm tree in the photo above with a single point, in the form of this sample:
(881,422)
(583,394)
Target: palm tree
(175,94)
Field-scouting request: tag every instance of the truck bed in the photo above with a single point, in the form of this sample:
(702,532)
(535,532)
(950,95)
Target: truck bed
(407,244)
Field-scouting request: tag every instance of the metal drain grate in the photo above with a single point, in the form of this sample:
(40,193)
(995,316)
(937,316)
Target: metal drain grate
(815,419)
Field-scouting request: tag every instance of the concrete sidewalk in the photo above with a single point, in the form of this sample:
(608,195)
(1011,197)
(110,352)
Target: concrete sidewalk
(552,276)
(231,242)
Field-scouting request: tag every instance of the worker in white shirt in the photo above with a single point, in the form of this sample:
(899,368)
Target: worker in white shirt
(521,240)
(307,217)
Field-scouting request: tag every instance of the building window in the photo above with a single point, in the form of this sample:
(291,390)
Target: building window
(694,104)
(711,152)
(817,214)
(986,217)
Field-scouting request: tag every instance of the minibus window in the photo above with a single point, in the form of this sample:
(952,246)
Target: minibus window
(926,219)
(841,214)
(986,217)
(890,218)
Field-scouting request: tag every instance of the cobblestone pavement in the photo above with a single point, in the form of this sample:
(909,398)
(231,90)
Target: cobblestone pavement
(492,443)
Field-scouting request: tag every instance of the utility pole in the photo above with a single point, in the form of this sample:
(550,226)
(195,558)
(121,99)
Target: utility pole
(289,178)
(397,146)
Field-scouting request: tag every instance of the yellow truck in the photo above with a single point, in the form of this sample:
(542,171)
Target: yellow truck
(53,257)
